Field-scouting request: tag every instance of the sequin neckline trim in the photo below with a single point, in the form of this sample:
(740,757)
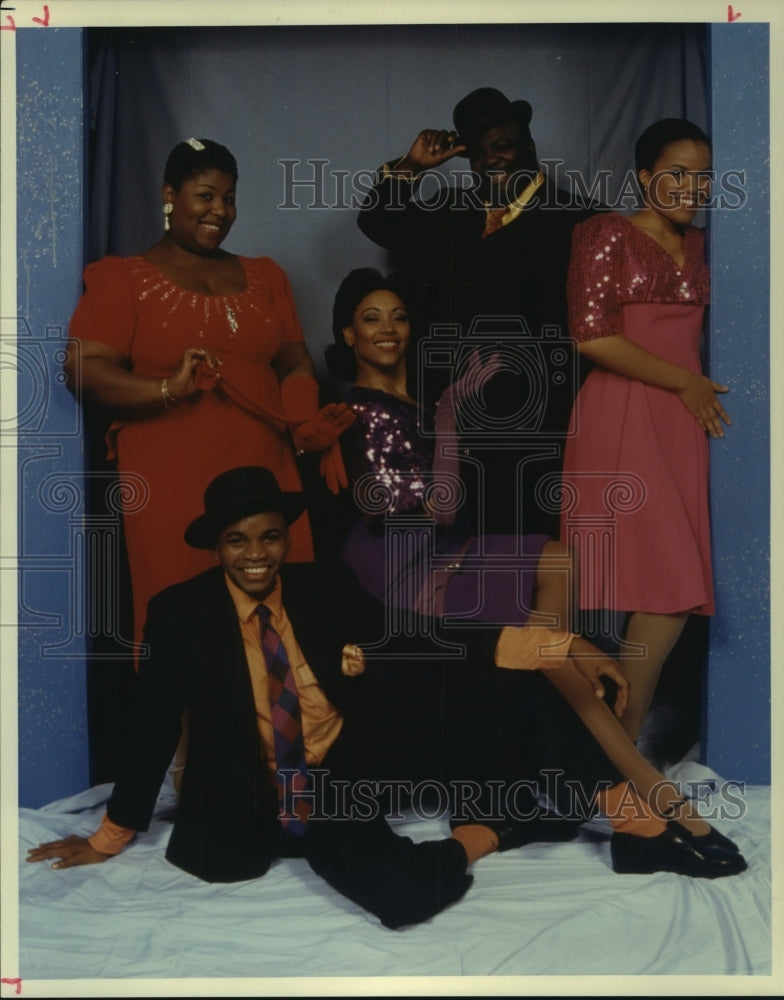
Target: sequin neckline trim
(229,307)
(138,259)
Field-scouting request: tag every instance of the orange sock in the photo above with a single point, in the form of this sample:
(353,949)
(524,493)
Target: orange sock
(477,840)
(628,813)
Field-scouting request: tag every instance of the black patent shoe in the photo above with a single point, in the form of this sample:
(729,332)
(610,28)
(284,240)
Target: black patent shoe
(548,828)
(672,851)
(713,839)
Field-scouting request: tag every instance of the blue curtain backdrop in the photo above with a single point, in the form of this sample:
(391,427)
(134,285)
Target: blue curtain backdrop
(323,106)
(311,112)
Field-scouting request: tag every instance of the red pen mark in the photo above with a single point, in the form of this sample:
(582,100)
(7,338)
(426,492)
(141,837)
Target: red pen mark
(14,982)
(45,21)
(8,27)
(731,15)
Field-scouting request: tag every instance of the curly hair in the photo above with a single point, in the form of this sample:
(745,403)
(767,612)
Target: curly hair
(357,284)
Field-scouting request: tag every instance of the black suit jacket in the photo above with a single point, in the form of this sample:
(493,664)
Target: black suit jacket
(507,292)
(226,827)
(518,271)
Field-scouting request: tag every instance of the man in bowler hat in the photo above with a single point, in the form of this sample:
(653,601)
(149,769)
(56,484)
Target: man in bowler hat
(266,657)
(491,261)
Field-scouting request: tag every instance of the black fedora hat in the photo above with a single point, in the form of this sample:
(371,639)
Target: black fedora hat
(239,493)
(482,110)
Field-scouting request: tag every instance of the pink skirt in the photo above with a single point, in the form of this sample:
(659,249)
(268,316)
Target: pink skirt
(635,503)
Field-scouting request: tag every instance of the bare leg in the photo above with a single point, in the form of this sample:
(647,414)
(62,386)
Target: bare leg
(656,635)
(649,783)
(553,597)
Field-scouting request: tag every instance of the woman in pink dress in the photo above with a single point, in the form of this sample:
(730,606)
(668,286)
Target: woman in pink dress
(636,460)
(200,356)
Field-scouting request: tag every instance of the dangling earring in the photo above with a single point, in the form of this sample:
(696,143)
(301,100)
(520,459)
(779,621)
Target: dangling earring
(168,208)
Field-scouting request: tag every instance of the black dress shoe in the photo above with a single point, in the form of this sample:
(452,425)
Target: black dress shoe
(713,839)
(547,827)
(672,851)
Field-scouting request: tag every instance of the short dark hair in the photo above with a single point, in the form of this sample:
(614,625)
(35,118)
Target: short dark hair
(358,283)
(658,136)
(186,161)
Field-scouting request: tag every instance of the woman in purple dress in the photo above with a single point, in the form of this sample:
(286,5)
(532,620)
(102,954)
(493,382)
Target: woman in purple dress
(410,548)
(410,544)
(636,459)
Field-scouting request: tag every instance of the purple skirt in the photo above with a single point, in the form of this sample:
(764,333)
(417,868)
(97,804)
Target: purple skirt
(490,578)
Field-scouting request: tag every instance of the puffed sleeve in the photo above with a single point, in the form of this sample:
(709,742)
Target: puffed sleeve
(594,281)
(106,312)
(277,284)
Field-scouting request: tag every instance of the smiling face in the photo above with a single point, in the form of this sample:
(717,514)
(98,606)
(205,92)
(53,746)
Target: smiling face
(203,211)
(679,182)
(505,159)
(380,332)
(252,551)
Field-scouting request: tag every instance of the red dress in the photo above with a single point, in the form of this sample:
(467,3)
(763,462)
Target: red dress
(166,461)
(635,501)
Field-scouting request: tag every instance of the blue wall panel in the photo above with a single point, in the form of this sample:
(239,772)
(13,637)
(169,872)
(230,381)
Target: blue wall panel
(53,750)
(737,719)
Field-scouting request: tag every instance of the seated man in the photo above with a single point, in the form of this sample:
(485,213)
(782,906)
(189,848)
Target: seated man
(288,718)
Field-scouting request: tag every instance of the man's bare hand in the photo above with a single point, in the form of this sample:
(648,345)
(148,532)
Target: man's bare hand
(431,148)
(70,851)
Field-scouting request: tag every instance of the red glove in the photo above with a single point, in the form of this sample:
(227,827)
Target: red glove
(313,429)
(323,429)
(332,469)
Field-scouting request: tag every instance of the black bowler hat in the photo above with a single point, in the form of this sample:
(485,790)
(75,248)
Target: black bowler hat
(236,494)
(482,110)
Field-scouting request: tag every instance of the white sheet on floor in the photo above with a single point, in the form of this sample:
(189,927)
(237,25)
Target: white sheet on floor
(544,909)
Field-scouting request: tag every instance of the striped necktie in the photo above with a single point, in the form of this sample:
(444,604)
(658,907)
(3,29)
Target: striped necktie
(287,725)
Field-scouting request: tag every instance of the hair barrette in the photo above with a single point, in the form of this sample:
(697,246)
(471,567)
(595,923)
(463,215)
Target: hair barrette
(195,144)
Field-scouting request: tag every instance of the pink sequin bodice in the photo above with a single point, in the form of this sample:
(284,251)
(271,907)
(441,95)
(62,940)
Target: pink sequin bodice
(615,263)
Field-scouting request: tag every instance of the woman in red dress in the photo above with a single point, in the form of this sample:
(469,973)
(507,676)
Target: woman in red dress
(636,458)
(200,356)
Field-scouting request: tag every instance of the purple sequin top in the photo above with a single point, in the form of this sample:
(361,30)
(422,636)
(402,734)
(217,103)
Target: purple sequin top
(390,448)
(387,440)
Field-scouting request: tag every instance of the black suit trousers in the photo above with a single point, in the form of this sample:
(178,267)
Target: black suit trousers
(481,746)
